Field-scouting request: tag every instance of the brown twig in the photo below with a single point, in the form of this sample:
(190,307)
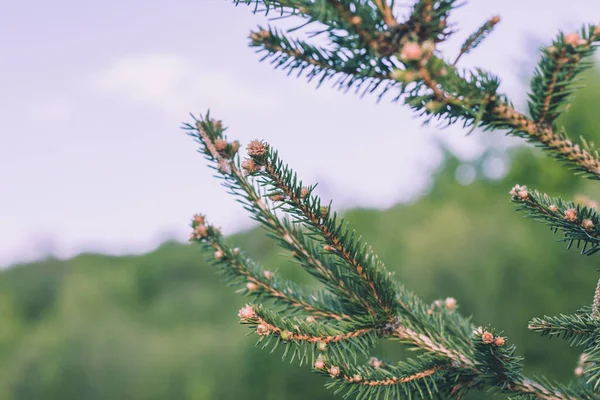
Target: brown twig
(386,12)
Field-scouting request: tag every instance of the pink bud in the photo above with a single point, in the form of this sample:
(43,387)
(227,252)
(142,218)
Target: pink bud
(411,51)
(247,312)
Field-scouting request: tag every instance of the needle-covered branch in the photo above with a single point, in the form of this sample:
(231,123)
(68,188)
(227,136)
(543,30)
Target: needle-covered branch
(579,224)
(580,329)
(342,340)
(555,76)
(423,377)
(404,58)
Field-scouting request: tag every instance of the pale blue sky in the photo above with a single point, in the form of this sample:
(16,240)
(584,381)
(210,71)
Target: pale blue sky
(93,93)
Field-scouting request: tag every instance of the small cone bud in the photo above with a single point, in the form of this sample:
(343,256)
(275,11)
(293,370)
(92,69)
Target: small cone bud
(220,144)
(356,20)
(375,362)
(262,330)
(597,30)
(572,39)
(319,364)
(247,312)
(450,303)
(516,189)
(571,215)
(218,254)
(310,319)
(322,346)
(251,286)
(587,224)
(236,251)
(495,19)
(268,275)
(199,219)
(250,166)
(328,247)
(578,371)
(201,231)
(523,194)
(334,371)
(411,51)
(553,208)
(256,148)
(499,341)
(235,146)
(357,378)
(487,337)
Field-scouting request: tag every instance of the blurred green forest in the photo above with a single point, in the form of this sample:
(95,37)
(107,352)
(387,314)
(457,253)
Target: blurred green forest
(164,326)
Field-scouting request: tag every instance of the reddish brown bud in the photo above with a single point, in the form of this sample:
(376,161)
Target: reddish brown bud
(587,224)
(262,330)
(199,219)
(247,312)
(571,215)
(334,371)
(250,166)
(487,337)
(220,144)
(572,39)
(256,148)
(411,51)
(356,20)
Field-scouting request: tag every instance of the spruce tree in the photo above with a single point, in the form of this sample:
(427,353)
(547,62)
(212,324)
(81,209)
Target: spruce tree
(373,49)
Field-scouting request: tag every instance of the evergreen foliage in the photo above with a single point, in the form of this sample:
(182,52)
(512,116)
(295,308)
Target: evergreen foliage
(371,50)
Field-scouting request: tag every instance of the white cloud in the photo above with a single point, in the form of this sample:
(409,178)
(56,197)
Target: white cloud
(172,84)
(58,110)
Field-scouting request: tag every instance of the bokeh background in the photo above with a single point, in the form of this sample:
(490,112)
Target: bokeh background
(100,297)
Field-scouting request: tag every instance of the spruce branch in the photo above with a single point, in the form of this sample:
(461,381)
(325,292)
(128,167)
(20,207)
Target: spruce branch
(405,58)
(317,62)
(422,377)
(554,78)
(341,341)
(580,329)
(579,224)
